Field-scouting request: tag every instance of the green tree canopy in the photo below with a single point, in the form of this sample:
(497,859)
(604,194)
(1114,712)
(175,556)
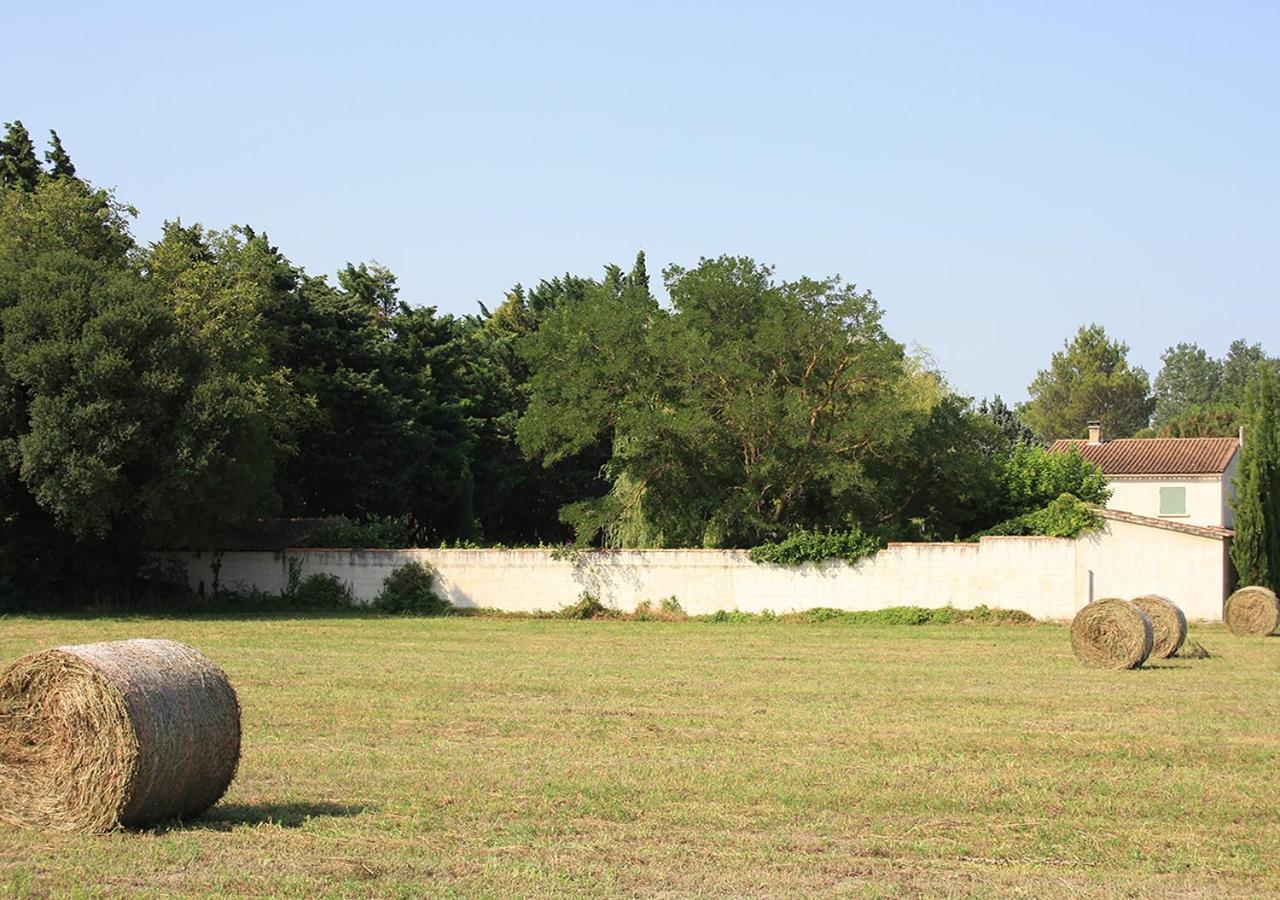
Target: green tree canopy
(59,160)
(1090,378)
(749,408)
(19,167)
(1189,379)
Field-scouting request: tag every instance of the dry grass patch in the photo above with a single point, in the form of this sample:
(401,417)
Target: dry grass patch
(487,757)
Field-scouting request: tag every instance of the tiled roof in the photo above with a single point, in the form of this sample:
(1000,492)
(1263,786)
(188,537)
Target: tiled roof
(1156,456)
(1212,531)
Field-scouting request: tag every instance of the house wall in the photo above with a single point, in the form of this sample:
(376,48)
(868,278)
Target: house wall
(1050,578)
(1130,559)
(1229,491)
(1206,502)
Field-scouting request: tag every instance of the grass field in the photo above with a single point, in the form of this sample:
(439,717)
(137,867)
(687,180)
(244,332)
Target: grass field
(483,757)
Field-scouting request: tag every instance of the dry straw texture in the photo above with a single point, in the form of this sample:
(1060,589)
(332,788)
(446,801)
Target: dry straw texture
(1111,634)
(1252,610)
(125,733)
(1167,622)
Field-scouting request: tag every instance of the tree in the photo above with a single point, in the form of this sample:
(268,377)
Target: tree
(1090,378)
(1033,477)
(1239,367)
(749,409)
(19,167)
(1007,421)
(59,160)
(942,483)
(1217,420)
(1189,379)
(1255,550)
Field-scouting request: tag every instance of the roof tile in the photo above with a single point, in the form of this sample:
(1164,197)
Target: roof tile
(1156,456)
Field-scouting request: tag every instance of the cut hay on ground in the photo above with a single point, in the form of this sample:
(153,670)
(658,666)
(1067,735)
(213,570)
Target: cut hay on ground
(1252,610)
(1111,634)
(124,733)
(1168,624)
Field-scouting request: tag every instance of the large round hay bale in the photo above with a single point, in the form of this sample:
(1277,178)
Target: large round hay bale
(1168,624)
(1111,633)
(124,733)
(1252,610)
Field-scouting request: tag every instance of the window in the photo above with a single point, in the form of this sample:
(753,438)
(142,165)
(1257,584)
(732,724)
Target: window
(1173,501)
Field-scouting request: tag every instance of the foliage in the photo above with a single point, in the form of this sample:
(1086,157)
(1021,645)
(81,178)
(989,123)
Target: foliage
(1033,477)
(750,408)
(1090,378)
(1199,396)
(383,532)
(1205,421)
(587,606)
(320,591)
(668,610)
(1255,550)
(1189,379)
(1064,517)
(894,615)
(1007,421)
(19,167)
(815,546)
(410,588)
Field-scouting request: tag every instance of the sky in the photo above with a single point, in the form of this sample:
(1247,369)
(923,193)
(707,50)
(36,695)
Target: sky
(997,174)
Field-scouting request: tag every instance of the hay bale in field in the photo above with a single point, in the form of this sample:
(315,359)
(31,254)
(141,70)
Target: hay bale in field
(1168,624)
(123,733)
(1252,610)
(1111,633)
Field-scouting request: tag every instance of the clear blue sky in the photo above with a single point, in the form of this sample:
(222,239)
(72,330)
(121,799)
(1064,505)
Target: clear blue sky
(996,173)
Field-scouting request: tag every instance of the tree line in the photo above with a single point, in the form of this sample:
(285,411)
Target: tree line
(169,394)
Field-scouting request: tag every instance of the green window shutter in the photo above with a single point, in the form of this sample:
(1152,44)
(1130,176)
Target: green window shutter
(1173,501)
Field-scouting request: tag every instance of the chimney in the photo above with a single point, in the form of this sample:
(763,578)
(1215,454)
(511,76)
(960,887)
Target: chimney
(1095,432)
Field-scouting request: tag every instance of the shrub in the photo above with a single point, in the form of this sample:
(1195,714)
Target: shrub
(1065,517)
(411,589)
(814,546)
(894,615)
(588,606)
(671,607)
(321,591)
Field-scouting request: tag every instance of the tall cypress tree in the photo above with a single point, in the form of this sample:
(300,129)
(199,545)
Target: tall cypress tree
(18,164)
(639,276)
(1256,548)
(59,160)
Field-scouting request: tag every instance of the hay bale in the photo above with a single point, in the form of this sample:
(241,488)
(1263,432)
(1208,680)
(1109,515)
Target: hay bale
(125,733)
(1167,622)
(1252,610)
(1112,634)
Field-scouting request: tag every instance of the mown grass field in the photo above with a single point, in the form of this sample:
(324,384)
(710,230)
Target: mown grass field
(478,757)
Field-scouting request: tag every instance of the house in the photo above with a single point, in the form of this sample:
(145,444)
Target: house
(1189,481)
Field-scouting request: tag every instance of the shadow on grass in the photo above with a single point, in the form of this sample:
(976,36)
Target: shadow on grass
(226,816)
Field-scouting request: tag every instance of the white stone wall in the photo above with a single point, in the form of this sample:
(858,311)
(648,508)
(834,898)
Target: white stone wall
(1049,578)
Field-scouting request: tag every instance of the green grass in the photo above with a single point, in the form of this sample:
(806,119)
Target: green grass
(489,757)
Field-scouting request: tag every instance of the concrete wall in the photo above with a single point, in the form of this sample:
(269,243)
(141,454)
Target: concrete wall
(1049,578)
(1206,497)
